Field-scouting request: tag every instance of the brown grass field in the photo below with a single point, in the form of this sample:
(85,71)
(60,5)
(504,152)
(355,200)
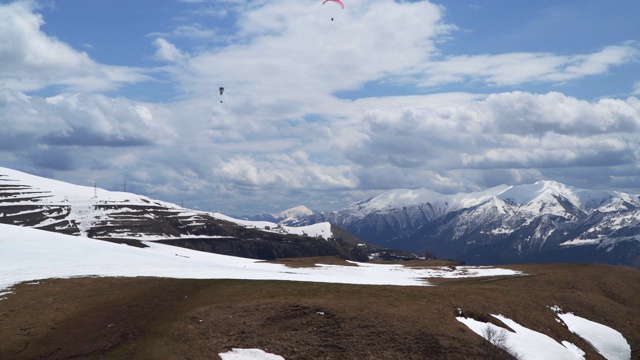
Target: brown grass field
(161,318)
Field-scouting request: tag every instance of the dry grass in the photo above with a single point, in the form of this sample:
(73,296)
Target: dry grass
(152,318)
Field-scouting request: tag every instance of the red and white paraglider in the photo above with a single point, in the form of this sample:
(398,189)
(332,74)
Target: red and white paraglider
(335,1)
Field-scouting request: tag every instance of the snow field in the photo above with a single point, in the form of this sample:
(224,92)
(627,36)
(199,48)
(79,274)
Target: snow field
(29,254)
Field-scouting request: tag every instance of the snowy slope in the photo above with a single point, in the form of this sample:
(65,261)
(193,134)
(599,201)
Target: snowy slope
(29,254)
(79,209)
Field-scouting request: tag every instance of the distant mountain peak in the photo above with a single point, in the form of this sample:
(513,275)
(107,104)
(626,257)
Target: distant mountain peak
(585,199)
(295,211)
(527,193)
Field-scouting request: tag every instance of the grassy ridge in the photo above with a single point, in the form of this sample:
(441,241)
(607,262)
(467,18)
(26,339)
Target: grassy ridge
(143,318)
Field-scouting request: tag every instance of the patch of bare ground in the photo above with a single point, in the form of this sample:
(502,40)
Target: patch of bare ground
(153,318)
(429,263)
(312,261)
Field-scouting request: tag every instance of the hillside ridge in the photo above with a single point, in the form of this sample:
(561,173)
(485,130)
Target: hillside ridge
(46,204)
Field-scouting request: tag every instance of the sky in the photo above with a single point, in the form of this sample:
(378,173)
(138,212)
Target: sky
(323,106)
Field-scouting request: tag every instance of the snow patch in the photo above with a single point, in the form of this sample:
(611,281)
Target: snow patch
(577,352)
(581,242)
(531,345)
(522,343)
(249,354)
(605,340)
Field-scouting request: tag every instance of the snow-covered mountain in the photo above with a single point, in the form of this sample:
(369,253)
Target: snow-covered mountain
(545,221)
(299,210)
(46,204)
(283,216)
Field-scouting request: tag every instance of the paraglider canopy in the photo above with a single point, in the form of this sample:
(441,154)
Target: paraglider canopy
(221,90)
(335,1)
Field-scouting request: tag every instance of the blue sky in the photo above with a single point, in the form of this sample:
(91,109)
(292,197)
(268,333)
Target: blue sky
(447,95)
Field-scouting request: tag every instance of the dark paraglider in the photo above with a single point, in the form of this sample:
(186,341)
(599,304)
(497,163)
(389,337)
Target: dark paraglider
(221,92)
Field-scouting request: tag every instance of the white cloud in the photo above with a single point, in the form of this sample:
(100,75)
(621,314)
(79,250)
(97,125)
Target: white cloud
(292,171)
(598,63)
(501,131)
(534,114)
(194,31)
(285,45)
(282,134)
(144,113)
(518,68)
(166,51)
(293,45)
(32,60)
(78,120)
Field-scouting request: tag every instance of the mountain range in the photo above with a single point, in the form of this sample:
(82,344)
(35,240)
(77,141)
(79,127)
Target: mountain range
(542,222)
(164,301)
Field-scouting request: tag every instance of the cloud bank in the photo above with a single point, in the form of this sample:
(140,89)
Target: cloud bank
(315,112)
